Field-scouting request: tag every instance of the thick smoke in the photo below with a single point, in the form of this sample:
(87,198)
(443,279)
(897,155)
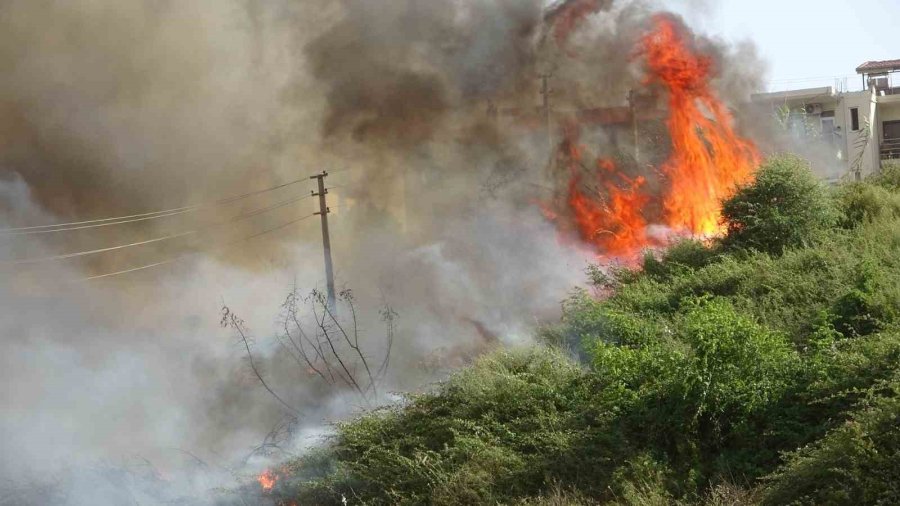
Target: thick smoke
(428,114)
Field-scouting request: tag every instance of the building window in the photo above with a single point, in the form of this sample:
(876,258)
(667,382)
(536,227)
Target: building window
(828,130)
(854,119)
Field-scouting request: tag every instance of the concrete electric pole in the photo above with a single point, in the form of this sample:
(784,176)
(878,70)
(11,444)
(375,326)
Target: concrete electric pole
(548,112)
(326,238)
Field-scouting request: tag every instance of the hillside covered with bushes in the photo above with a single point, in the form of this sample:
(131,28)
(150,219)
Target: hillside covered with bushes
(761,368)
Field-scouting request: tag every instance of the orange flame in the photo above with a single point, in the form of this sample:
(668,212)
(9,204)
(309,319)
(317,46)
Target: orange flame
(614,223)
(708,158)
(610,220)
(267,480)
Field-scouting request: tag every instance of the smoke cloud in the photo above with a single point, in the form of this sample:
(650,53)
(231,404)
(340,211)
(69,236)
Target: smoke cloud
(428,115)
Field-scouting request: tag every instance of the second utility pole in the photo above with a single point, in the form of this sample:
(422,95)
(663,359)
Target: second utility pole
(548,115)
(326,239)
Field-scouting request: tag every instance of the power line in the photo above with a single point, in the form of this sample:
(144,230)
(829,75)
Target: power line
(182,257)
(101,250)
(155,240)
(98,225)
(104,222)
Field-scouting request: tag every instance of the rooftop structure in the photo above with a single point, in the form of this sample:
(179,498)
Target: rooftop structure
(861,129)
(881,76)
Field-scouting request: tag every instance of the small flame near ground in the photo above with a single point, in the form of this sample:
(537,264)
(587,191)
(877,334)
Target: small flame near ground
(267,480)
(611,210)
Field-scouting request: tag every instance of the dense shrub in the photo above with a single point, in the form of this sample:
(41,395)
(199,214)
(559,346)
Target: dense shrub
(697,395)
(857,463)
(888,177)
(492,433)
(682,257)
(863,202)
(784,207)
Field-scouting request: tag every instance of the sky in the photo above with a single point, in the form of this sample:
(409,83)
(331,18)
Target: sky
(806,42)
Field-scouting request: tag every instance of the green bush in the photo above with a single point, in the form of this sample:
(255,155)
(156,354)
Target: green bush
(855,464)
(682,257)
(491,434)
(863,202)
(853,279)
(697,394)
(784,207)
(718,362)
(558,496)
(888,177)
(837,376)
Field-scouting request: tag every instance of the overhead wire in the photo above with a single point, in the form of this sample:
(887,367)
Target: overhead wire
(155,240)
(104,222)
(188,255)
(97,251)
(98,225)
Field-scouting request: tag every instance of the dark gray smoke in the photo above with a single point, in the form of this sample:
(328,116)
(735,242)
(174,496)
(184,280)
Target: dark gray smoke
(428,114)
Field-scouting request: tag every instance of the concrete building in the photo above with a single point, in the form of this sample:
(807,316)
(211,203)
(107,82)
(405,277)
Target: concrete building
(862,128)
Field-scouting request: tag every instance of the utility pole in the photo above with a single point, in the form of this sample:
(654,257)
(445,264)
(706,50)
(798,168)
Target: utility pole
(326,238)
(633,105)
(548,115)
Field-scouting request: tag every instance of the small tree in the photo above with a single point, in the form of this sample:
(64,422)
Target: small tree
(784,207)
(322,345)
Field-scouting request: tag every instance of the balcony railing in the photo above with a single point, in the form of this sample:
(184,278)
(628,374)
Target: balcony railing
(890,149)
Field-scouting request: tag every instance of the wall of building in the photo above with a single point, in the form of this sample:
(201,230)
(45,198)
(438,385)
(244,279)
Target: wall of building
(827,155)
(850,146)
(866,156)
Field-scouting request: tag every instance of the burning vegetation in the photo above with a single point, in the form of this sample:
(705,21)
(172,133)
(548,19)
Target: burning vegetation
(267,480)
(426,112)
(708,159)
(755,369)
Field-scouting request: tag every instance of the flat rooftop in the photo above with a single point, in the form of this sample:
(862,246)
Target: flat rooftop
(806,93)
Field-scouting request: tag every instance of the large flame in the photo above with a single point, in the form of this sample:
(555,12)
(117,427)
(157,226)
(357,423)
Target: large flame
(708,158)
(608,215)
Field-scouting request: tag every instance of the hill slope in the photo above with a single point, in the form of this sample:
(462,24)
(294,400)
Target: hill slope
(762,368)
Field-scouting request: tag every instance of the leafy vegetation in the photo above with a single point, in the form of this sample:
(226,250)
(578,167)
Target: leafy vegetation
(857,463)
(763,368)
(784,207)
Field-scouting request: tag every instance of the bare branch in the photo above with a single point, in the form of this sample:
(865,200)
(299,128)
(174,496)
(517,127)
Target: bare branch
(321,322)
(388,316)
(290,306)
(229,319)
(282,432)
(347,296)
